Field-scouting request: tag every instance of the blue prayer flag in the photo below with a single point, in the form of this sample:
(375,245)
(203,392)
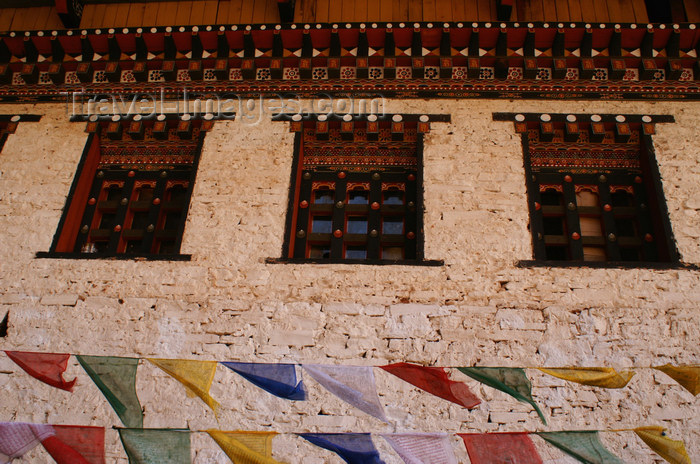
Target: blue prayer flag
(354,448)
(278,379)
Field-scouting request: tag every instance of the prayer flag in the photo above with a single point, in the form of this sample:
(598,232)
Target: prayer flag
(422,448)
(47,367)
(687,376)
(75,444)
(278,379)
(512,381)
(671,450)
(584,446)
(156,446)
(196,376)
(18,438)
(354,448)
(605,377)
(245,447)
(353,384)
(498,448)
(434,380)
(116,379)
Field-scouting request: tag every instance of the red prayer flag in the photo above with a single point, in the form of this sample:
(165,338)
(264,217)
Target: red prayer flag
(47,367)
(74,444)
(434,380)
(496,448)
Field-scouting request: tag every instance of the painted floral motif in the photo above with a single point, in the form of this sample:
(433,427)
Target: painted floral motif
(486,73)
(183,75)
(290,74)
(600,74)
(431,72)
(459,72)
(515,73)
(347,72)
(99,77)
(319,73)
(404,72)
(571,74)
(235,74)
(376,73)
(155,75)
(209,74)
(262,74)
(631,74)
(544,74)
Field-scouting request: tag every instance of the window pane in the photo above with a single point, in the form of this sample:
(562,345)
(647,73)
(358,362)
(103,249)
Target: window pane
(321,225)
(591,226)
(319,251)
(594,254)
(392,226)
(140,220)
(145,193)
(324,196)
(556,253)
(107,221)
(114,193)
(551,197)
(393,197)
(586,198)
(553,225)
(392,253)
(358,197)
(626,227)
(355,252)
(357,225)
(621,198)
(178,193)
(629,254)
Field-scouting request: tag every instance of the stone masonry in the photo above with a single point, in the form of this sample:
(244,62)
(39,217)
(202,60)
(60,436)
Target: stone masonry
(228,304)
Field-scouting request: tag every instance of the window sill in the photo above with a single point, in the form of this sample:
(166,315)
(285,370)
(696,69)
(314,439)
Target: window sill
(112,256)
(373,262)
(607,265)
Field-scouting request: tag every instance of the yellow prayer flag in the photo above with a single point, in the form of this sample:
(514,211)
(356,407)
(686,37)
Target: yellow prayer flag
(605,377)
(246,447)
(196,376)
(687,376)
(671,450)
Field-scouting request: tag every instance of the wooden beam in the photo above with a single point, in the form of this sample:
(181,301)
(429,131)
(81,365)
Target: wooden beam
(54,22)
(443,10)
(574,11)
(692,10)
(209,10)
(536,10)
(385,10)
(360,10)
(415,10)
(458,11)
(234,12)
(549,10)
(323,10)
(335,11)
(429,10)
(640,11)
(6,17)
(601,11)
(150,15)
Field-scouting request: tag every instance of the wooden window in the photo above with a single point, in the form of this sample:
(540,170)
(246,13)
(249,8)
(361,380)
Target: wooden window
(356,192)
(594,189)
(132,190)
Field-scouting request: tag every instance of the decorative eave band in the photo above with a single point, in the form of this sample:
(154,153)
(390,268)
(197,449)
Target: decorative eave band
(481,60)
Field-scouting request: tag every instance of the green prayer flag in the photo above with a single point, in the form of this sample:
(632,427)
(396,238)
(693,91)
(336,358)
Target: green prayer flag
(116,379)
(156,446)
(584,446)
(511,380)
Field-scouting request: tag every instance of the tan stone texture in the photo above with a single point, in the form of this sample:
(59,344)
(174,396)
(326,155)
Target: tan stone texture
(228,304)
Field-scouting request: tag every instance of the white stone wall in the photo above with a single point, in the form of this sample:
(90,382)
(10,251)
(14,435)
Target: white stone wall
(228,304)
